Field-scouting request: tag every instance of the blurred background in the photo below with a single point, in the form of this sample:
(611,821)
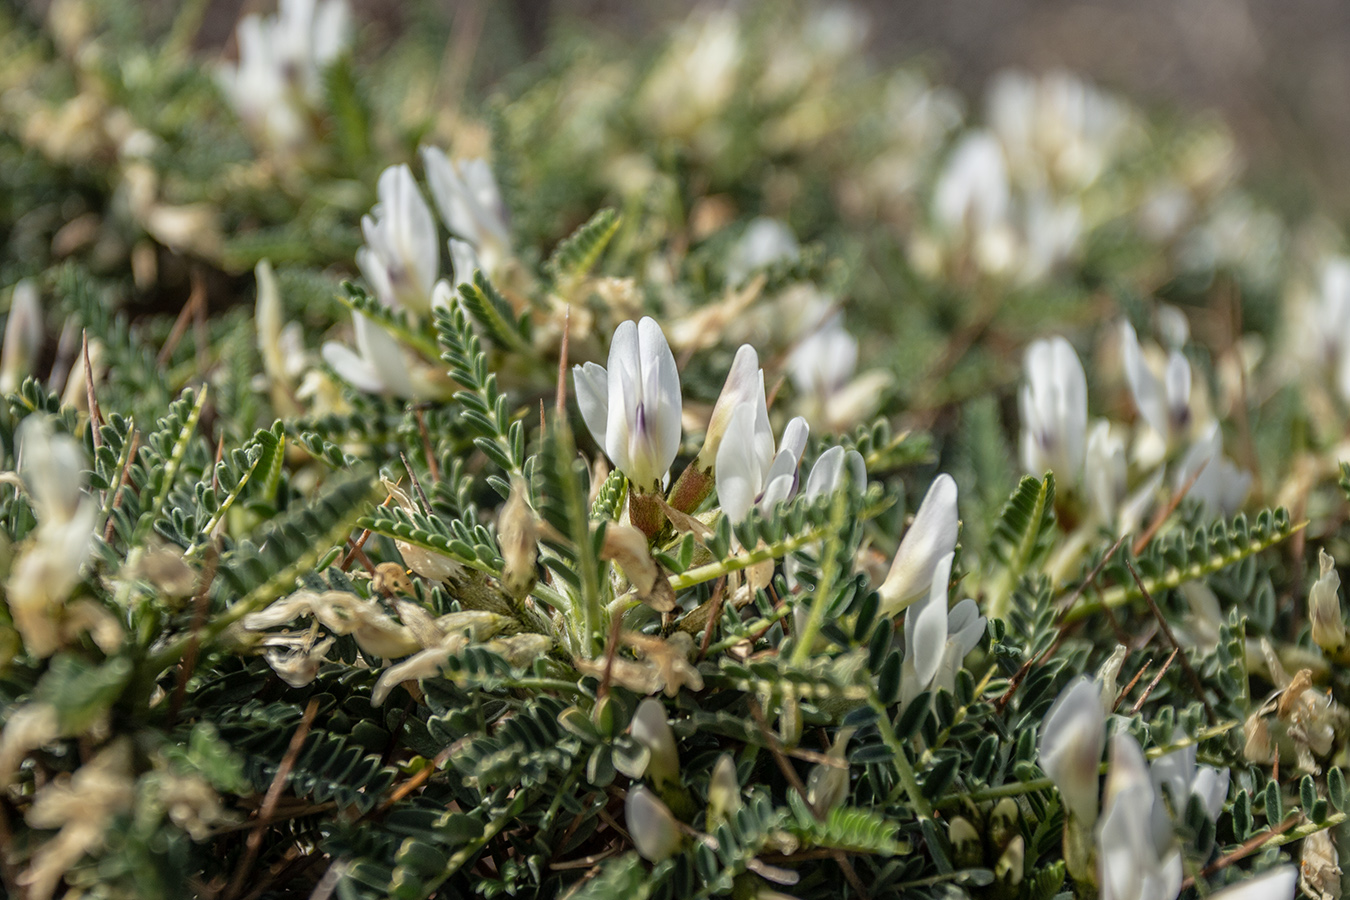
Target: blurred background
(1277,71)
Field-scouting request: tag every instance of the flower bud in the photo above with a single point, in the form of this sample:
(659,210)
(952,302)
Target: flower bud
(967,851)
(651,730)
(827,785)
(1004,822)
(1324,604)
(724,792)
(1010,864)
(23,336)
(518,534)
(654,831)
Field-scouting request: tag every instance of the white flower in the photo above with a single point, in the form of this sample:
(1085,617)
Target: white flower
(765,242)
(50,563)
(748,472)
(1329,317)
(1177,777)
(1221,487)
(377,366)
(1072,738)
(972,197)
(278,81)
(632,408)
(930,539)
(471,206)
(1164,403)
(654,831)
(1276,884)
(828,472)
(822,367)
(23,336)
(401,256)
(1053,404)
(1324,606)
(744,384)
(936,639)
(1137,859)
(1104,471)
(824,361)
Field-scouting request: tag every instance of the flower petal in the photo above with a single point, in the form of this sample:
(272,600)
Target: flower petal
(932,535)
(592,386)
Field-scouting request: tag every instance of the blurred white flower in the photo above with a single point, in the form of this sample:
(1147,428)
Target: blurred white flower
(471,206)
(765,242)
(377,366)
(1176,777)
(633,407)
(654,831)
(401,257)
(822,368)
(50,562)
(930,539)
(1164,403)
(23,336)
(278,84)
(1072,738)
(1276,884)
(696,77)
(1137,857)
(972,201)
(1221,487)
(1053,404)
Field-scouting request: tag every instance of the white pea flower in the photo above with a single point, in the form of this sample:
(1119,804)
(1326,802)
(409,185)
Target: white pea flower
(471,206)
(937,639)
(1221,487)
(972,201)
(1105,471)
(23,336)
(1324,606)
(1073,736)
(49,564)
(765,242)
(828,472)
(654,831)
(632,408)
(930,539)
(1164,403)
(278,83)
(401,256)
(744,384)
(1176,776)
(1276,884)
(823,369)
(965,627)
(376,366)
(1053,404)
(1137,857)
(748,471)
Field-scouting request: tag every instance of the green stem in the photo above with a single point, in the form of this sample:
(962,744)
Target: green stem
(901,758)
